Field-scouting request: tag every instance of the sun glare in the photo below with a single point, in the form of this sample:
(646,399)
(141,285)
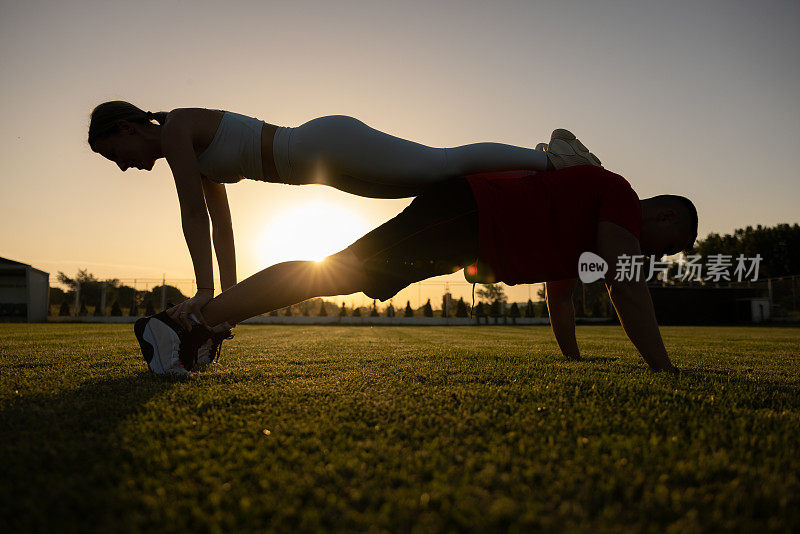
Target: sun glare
(308,231)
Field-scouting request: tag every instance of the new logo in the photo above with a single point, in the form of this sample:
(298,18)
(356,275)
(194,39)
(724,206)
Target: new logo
(591,267)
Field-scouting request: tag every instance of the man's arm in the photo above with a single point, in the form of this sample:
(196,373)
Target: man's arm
(222,231)
(632,298)
(562,316)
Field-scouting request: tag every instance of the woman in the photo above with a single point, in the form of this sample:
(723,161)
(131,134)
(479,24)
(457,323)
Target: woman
(206,148)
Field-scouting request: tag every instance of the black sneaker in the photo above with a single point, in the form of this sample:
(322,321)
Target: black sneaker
(211,350)
(166,346)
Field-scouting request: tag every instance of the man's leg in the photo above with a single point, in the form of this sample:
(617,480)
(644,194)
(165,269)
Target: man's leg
(285,284)
(436,234)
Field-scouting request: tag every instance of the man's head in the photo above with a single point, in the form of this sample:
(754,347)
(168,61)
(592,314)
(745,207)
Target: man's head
(669,225)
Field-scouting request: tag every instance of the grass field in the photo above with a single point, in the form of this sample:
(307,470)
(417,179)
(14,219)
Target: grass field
(401,429)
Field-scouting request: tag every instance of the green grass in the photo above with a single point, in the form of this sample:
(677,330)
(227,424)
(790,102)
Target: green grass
(400,429)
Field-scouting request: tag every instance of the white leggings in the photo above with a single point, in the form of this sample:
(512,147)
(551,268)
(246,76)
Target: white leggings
(345,153)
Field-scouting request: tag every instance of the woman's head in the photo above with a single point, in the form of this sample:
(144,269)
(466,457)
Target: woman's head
(125,134)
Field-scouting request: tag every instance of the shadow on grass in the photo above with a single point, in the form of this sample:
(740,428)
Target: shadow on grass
(62,456)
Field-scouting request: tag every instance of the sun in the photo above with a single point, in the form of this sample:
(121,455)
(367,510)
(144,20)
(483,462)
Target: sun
(308,231)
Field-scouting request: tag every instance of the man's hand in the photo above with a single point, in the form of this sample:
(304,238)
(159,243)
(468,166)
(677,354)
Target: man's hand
(180,313)
(562,316)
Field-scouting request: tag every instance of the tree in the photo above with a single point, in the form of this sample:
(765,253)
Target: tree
(343,310)
(134,311)
(322,311)
(514,311)
(496,309)
(83,311)
(390,310)
(288,312)
(529,310)
(374,312)
(427,311)
(116,310)
(480,309)
(447,298)
(63,311)
(461,308)
(408,311)
(173,294)
(492,293)
(57,296)
(778,246)
(357,312)
(99,311)
(149,308)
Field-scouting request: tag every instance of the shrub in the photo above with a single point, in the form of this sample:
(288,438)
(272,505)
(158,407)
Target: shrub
(461,308)
(408,311)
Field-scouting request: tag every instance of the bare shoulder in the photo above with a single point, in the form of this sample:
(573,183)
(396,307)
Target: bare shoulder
(199,123)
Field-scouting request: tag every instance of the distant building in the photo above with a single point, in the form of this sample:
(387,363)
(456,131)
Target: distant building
(24,292)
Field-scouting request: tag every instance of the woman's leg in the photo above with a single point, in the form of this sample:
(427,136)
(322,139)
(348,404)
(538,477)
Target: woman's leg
(347,154)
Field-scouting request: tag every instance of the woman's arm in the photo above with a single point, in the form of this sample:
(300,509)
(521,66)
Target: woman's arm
(179,152)
(222,231)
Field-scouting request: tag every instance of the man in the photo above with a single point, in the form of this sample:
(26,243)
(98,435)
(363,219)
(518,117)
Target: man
(513,227)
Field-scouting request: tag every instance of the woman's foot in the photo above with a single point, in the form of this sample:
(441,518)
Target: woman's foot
(564,150)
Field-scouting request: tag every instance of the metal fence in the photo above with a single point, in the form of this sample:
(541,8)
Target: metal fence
(591,300)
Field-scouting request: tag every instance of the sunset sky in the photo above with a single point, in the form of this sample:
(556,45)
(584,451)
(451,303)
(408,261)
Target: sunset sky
(691,98)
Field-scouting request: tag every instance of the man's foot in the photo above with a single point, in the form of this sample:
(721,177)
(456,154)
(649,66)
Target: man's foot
(211,350)
(166,346)
(564,150)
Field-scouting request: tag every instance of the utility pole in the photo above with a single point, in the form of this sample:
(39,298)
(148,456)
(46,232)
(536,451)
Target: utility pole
(163,291)
(103,290)
(77,298)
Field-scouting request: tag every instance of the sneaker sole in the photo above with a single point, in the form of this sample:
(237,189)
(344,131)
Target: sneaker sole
(149,331)
(575,145)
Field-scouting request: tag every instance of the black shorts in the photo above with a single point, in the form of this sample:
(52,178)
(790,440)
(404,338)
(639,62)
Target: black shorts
(436,234)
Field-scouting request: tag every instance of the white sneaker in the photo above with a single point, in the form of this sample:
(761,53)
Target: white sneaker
(565,150)
(166,346)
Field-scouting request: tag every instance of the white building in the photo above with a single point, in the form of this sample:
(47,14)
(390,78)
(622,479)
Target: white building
(24,292)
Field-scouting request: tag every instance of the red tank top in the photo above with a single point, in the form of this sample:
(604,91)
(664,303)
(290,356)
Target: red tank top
(533,226)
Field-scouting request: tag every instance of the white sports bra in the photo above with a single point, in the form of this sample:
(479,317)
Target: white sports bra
(235,151)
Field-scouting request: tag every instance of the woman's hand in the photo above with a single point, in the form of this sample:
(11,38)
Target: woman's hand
(180,313)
